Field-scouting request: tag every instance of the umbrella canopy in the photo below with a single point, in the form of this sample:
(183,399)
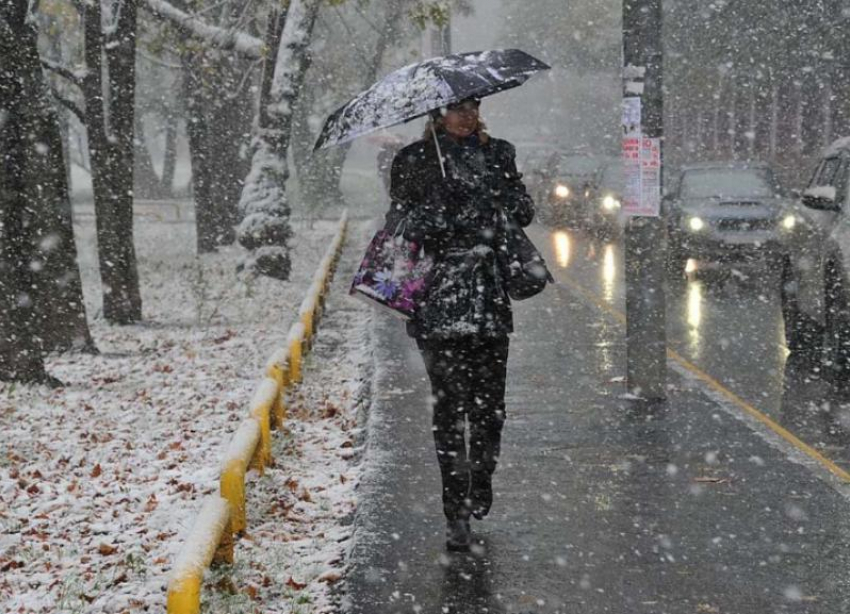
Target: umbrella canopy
(418,89)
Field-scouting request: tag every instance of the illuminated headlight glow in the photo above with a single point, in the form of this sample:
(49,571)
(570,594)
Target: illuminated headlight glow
(696,224)
(788,222)
(562,191)
(609,203)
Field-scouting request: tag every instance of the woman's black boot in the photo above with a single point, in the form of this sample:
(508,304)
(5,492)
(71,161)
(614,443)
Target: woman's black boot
(481,493)
(458,535)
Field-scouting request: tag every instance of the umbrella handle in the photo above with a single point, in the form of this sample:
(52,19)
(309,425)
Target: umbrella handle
(439,152)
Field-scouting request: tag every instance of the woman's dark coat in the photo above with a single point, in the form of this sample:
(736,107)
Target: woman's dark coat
(459,220)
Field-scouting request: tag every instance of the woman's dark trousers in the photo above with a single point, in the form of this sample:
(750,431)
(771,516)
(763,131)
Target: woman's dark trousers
(468,385)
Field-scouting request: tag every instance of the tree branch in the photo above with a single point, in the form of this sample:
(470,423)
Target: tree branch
(72,107)
(157,61)
(62,72)
(222,38)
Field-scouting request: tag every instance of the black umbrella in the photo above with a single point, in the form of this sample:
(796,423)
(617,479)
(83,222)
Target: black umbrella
(418,89)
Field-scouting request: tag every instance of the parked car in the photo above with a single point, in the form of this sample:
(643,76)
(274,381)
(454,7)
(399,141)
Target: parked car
(605,219)
(537,162)
(816,268)
(724,212)
(565,199)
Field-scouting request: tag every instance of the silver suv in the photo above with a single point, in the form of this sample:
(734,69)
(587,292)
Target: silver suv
(725,212)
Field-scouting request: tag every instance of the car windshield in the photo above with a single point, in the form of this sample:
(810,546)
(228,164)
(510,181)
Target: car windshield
(726,183)
(613,178)
(577,165)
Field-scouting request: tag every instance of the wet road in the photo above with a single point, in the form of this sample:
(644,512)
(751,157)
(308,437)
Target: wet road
(601,506)
(726,322)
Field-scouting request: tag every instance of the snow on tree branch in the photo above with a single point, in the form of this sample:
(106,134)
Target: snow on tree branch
(220,37)
(265,225)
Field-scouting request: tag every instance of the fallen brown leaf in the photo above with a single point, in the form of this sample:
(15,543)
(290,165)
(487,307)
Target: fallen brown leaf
(329,577)
(296,585)
(106,549)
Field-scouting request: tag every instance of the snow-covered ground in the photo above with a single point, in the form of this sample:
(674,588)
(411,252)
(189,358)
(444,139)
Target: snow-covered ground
(100,480)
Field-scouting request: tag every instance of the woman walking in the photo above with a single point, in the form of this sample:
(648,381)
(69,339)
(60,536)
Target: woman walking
(453,191)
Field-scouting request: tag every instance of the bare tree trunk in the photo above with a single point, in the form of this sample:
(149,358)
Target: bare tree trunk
(169,160)
(718,101)
(752,130)
(697,129)
(732,117)
(274,30)
(41,301)
(799,143)
(196,131)
(217,123)
(111,148)
(145,180)
(774,121)
(230,111)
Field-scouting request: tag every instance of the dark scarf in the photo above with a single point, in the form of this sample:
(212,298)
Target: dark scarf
(466,162)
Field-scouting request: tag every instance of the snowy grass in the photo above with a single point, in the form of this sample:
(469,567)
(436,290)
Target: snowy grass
(100,481)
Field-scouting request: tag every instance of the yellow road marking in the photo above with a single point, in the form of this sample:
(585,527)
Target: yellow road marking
(720,388)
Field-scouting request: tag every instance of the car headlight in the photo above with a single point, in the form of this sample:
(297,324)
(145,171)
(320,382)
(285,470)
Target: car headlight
(789,222)
(562,191)
(696,224)
(609,203)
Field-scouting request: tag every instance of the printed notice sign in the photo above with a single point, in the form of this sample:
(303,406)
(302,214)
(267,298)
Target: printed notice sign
(632,117)
(642,164)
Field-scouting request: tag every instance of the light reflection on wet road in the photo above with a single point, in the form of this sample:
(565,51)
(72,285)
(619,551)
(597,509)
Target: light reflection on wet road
(727,322)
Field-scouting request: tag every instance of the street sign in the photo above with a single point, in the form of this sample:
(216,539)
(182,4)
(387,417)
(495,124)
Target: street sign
(642,166)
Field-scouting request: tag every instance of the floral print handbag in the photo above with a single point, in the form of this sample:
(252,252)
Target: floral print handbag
(394,273)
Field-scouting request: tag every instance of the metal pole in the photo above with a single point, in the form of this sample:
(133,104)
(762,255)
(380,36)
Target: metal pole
(645,240)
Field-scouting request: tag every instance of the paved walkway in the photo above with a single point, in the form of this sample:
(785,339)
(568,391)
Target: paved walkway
(600,506)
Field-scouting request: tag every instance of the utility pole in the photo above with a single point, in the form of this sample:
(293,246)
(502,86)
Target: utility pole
(645,241)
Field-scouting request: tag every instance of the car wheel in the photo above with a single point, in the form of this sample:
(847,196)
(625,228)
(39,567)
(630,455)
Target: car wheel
(803,336)
(837,328)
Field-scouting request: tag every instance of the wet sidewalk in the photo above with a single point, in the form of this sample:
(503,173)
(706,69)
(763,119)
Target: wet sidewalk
(600,505)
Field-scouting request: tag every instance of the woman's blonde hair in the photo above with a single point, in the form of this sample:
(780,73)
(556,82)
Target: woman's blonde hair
(436,123)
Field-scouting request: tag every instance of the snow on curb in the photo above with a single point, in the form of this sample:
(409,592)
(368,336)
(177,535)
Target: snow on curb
(251,445)
(300,511)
